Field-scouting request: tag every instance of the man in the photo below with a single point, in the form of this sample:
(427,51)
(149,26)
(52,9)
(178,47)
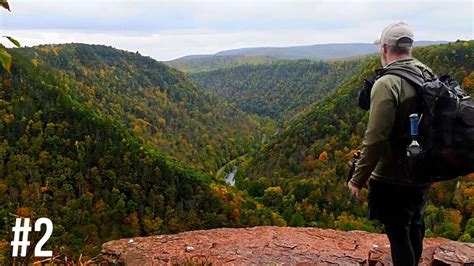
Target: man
(400,206)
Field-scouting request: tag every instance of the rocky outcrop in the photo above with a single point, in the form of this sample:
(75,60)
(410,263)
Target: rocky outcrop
(275,245)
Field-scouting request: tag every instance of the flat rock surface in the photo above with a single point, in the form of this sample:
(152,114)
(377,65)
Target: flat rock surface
(275,245)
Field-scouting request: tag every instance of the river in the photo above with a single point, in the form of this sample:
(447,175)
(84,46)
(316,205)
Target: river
(230,176)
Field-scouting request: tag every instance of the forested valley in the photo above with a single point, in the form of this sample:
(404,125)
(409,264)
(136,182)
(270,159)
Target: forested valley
(111,144)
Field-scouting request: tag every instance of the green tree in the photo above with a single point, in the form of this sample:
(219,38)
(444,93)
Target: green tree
(297,220)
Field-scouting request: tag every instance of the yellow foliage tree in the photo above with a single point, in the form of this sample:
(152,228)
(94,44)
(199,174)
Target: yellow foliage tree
(323,157)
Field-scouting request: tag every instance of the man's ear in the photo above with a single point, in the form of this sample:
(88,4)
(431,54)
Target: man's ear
(384,48)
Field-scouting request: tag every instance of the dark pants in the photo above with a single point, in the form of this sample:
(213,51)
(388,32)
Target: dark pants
(401,209)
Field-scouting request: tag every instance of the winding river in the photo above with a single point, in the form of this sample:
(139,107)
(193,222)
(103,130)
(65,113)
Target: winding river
(230,176)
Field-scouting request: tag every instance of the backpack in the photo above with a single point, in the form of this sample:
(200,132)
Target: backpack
(446,127)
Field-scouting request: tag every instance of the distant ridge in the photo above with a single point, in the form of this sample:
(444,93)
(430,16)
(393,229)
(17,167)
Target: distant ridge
(316,51)
(199,63)
(258,55)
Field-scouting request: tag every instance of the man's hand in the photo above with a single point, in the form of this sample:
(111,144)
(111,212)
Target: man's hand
(354,190)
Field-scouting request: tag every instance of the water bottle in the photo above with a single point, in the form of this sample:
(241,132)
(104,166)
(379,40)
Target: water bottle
(414,148)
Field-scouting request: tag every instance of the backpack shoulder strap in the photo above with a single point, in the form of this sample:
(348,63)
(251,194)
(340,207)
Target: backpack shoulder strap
(412,77)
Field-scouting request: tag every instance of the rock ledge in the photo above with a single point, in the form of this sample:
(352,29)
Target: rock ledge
(275,245)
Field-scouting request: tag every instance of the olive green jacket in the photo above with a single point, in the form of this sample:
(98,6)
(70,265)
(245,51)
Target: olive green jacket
(392,100)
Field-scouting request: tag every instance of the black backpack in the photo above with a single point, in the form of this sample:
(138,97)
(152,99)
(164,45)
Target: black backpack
(446,127)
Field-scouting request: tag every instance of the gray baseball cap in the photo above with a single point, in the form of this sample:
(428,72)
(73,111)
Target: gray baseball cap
(397,34)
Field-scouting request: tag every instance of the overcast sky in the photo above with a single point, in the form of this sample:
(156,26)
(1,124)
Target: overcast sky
(170,29)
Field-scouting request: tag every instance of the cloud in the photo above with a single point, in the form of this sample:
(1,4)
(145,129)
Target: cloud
(171,45)
(174,28)
(154,16)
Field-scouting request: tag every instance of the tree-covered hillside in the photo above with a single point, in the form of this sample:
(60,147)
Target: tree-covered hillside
(214,62)
(64,158)
(160,104)
(301,172)
(280,89)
